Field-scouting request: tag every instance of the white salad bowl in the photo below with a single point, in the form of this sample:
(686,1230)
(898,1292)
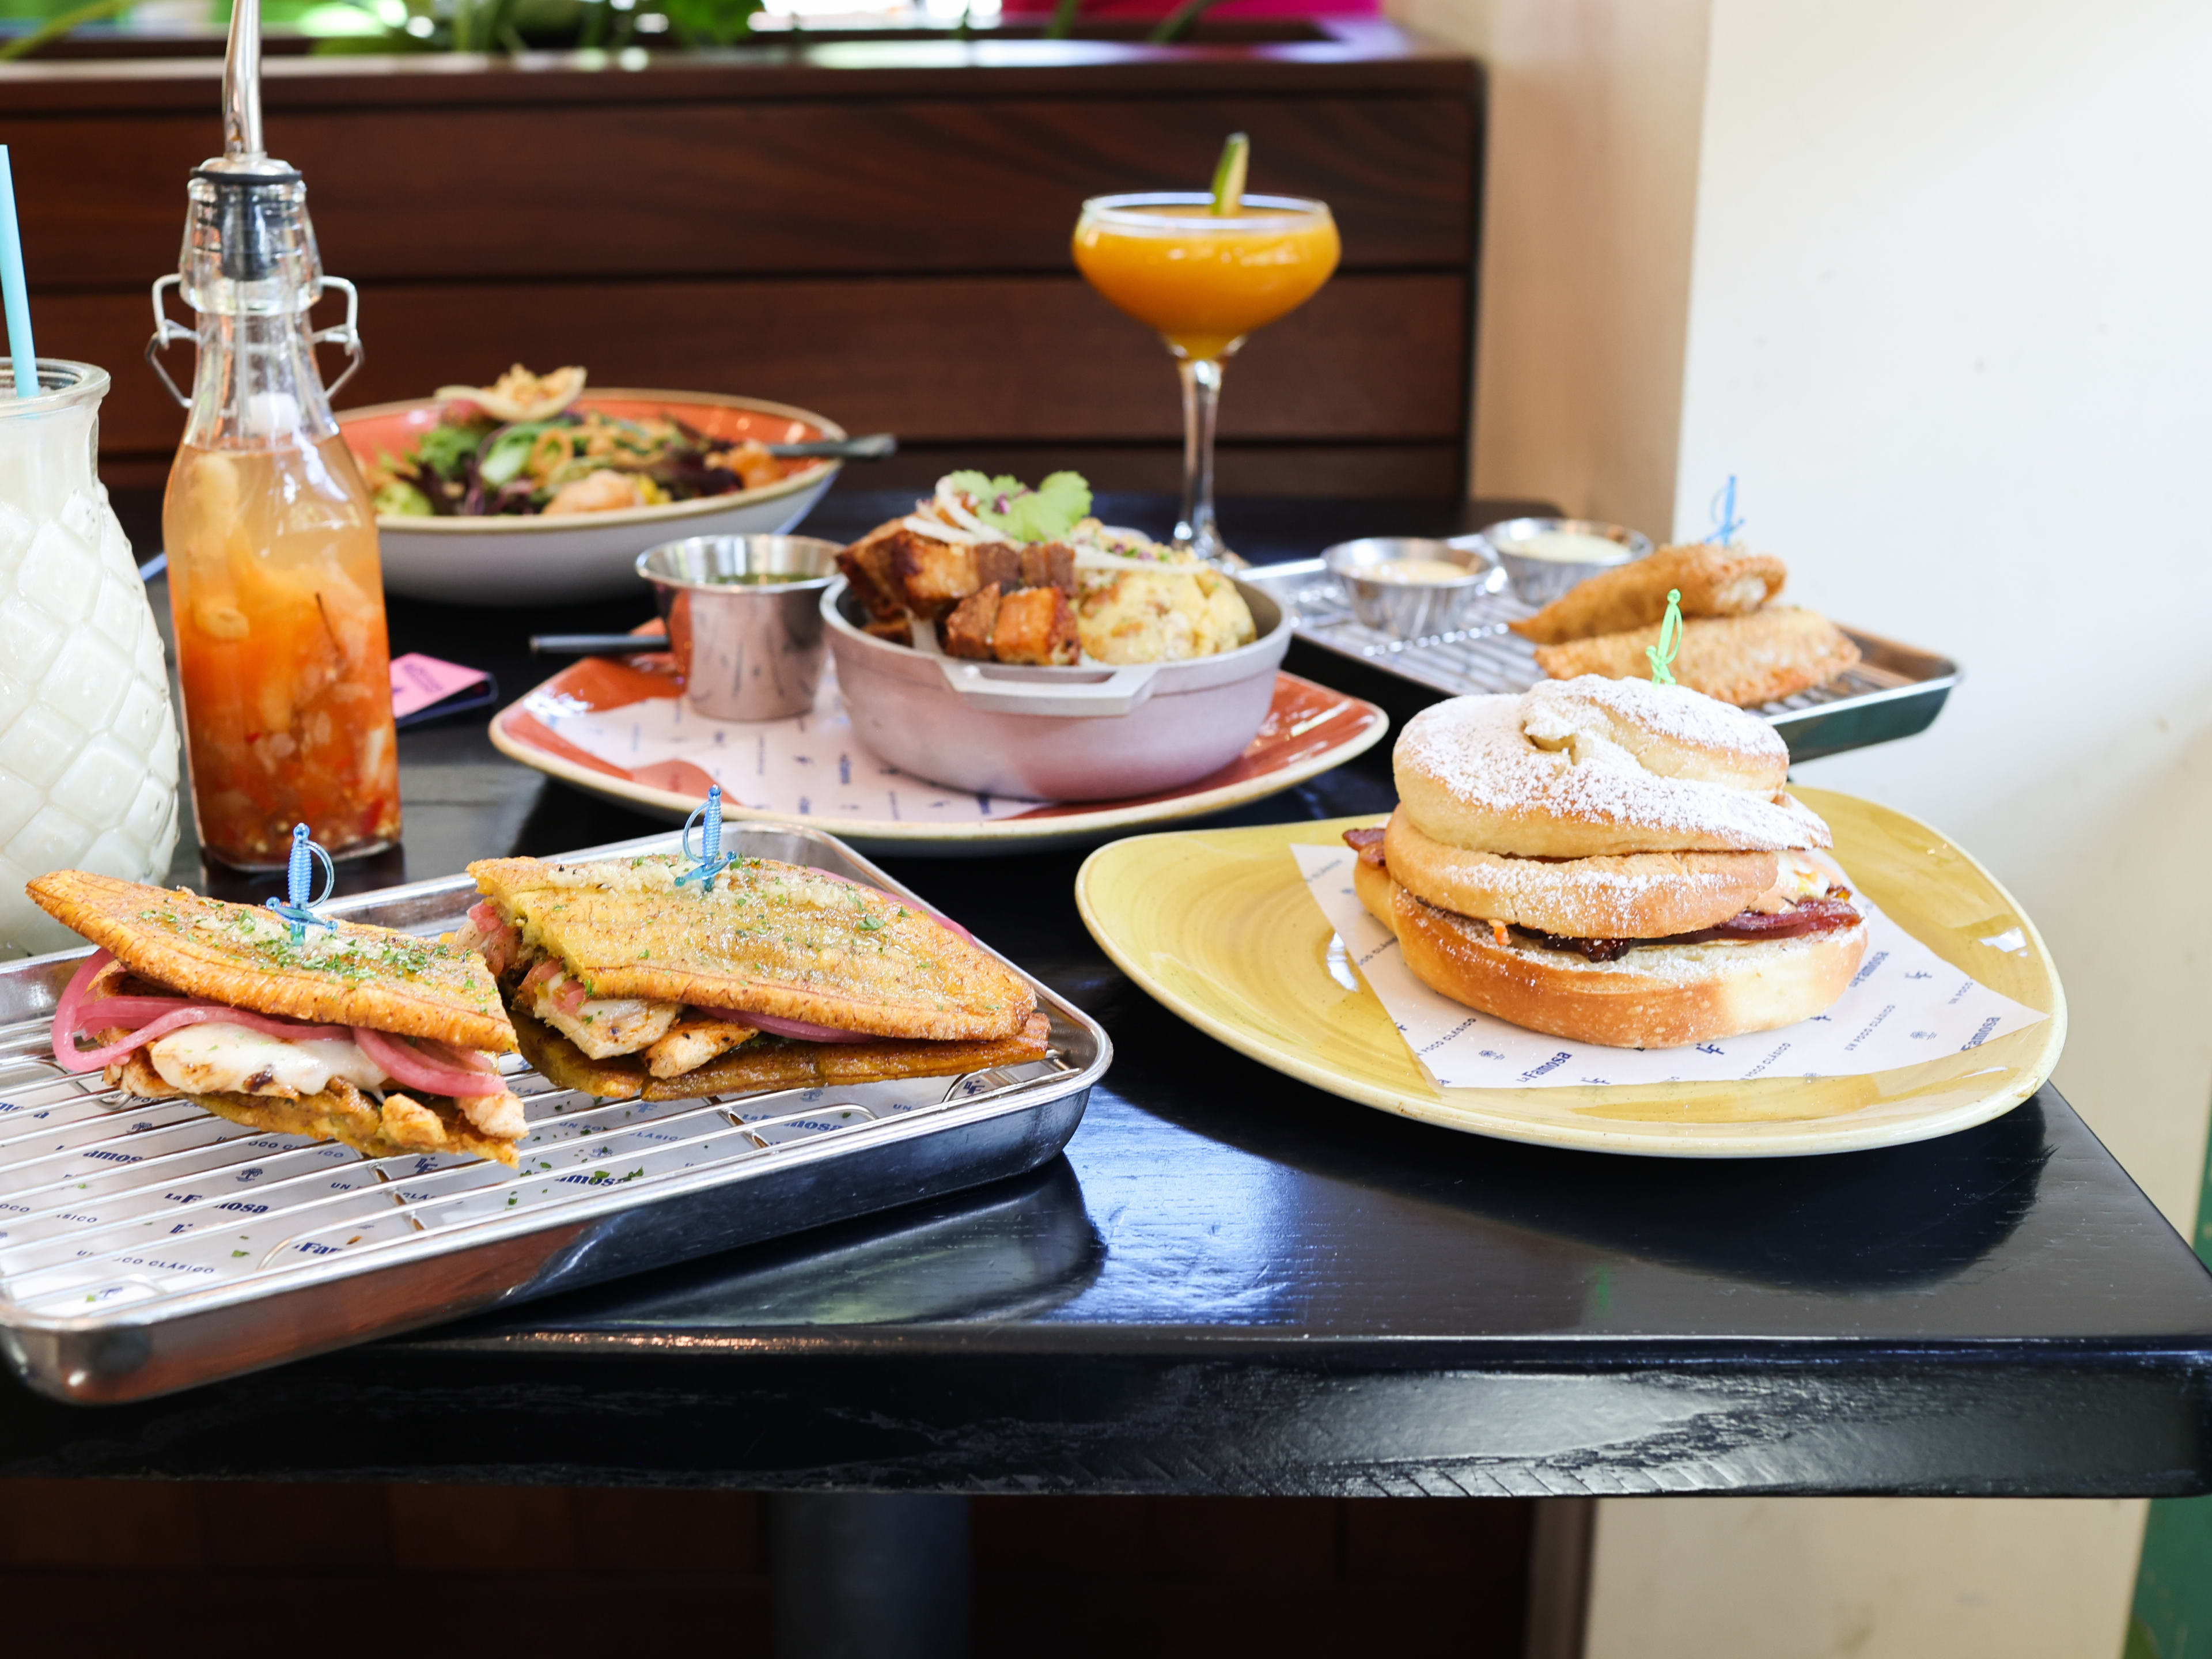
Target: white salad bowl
(585,555)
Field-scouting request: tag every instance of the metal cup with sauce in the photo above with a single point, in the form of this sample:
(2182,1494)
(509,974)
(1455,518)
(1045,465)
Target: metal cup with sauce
(745,620)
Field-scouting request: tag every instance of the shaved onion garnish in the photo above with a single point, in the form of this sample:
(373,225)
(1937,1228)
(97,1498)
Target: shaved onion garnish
(949,505)
(941,532)
(434,1068)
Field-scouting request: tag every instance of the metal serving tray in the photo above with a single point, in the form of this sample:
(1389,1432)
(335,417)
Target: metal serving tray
(148,1247)
(1893,692)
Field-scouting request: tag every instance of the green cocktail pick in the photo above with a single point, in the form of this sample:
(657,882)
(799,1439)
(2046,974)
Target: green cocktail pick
(1229,174)
(1670,641)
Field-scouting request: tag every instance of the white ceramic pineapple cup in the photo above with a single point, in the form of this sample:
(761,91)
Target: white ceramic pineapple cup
(87,744)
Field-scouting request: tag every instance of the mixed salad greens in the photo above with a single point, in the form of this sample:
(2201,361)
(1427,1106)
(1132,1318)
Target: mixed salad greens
(482,460)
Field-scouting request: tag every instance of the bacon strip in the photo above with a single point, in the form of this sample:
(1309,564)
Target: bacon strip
(1811,915)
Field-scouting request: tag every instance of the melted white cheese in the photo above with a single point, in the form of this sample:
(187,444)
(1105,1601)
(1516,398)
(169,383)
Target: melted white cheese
(604,1027)
(219,1059)
(1799,878)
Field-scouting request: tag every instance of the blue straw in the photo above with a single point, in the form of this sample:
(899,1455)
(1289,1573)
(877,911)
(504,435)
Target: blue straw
(13,290)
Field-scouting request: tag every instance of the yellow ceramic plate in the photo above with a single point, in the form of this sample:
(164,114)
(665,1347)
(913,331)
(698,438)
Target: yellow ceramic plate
(1217,926)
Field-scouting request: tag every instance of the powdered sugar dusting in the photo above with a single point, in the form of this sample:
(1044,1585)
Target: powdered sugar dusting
(1671,712)
(1476,749)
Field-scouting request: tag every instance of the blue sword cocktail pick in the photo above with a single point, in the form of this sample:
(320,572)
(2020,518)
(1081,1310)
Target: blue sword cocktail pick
(710,860)
(297,906)
(1725,522)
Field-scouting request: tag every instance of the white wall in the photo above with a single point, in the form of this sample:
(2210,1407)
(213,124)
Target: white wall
(1592,177)
(1952,324)
(1949,317)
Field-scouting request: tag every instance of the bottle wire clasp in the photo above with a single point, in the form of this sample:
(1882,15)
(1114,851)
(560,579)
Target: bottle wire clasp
(297,906)
(710,860)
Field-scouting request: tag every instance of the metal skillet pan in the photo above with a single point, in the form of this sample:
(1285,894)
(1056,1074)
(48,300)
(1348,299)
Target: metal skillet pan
(149,1247)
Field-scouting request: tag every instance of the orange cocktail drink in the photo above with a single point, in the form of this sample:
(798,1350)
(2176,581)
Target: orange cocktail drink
(1203,279)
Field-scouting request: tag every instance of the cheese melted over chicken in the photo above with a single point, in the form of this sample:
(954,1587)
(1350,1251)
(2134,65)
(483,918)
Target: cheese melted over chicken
(215,1059)
(219,1059)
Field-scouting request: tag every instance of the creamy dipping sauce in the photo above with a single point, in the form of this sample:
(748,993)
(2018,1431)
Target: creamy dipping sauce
(1570,547)
(1418,572)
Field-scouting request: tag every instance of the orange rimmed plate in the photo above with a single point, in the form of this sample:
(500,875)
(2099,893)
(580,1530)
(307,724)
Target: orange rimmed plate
(532,560)
(620,728)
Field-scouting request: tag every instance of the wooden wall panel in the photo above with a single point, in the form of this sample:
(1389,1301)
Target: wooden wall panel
(739,189)
(945,359)
(877,229)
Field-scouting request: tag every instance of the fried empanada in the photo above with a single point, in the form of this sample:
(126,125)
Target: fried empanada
(1713,582)
(1745,660)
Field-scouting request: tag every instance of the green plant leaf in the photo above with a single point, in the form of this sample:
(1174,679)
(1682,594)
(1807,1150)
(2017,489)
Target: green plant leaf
(719,21)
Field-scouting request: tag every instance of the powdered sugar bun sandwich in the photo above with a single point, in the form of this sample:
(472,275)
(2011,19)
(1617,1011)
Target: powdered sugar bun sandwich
(1610,861)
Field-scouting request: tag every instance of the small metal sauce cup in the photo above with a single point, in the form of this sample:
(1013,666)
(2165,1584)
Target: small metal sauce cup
(748,651)
(1414,610)
(1539,582)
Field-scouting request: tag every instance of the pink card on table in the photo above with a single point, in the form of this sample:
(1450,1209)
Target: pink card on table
(418,680)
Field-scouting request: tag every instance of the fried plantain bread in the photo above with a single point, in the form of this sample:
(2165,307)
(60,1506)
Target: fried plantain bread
(772,939)
(769,1063)
(340,1112)
(245,957)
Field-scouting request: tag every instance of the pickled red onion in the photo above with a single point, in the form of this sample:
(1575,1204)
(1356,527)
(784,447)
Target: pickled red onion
(437,1068)
(67,1010)
(128,1012)
(804,1030)
(70,1058)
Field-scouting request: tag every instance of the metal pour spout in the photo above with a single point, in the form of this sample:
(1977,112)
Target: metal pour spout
(241,84)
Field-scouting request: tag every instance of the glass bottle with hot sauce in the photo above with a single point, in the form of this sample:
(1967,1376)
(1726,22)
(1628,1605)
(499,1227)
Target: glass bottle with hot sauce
(274,580)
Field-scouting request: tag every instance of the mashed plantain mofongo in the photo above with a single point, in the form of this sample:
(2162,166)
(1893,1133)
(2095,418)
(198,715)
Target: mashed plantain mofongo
(1167,615)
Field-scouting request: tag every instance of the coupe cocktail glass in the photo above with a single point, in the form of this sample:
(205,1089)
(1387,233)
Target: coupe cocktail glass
(1203,281)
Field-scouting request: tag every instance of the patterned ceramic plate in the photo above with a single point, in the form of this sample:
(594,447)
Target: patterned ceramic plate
(623,729)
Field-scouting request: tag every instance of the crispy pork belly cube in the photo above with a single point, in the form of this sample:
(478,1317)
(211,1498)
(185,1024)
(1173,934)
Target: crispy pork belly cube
(899,630)
(999,562)
(867,566)
(933,576)
(1049,565)
(1034,626)
(967,631)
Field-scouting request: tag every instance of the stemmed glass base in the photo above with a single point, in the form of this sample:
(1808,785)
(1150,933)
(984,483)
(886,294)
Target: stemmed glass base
(1195,530)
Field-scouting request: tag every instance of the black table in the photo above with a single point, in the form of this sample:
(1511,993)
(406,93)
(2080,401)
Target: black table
(1234,1284)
